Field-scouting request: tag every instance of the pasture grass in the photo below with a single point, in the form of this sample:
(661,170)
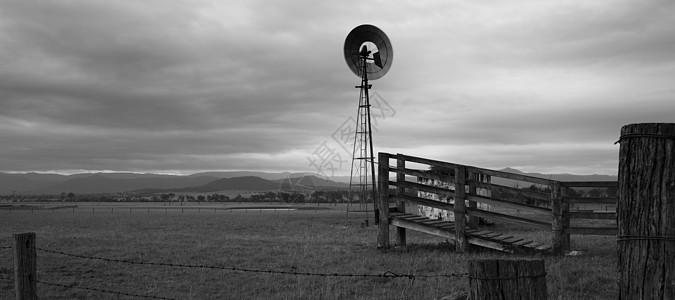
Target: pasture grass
(294,241)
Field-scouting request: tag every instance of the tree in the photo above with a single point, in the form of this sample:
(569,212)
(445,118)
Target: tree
(165,197)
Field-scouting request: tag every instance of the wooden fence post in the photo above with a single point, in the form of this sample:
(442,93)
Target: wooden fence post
(507,279)
(400,205)
(383,200)
(565,207)
(473,178)
(25,266)
(645,211)
(557,223)
(459,210)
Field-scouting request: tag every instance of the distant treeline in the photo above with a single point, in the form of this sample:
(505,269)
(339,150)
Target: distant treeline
(337,196)
(525,198)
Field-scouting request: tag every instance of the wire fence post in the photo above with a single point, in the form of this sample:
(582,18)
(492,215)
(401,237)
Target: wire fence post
(25,266)
(507,279)
(646,237)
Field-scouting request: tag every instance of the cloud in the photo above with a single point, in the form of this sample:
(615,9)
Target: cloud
(197,85)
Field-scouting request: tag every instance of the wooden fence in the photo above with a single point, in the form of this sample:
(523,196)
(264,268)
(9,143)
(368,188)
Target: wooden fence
(551,212)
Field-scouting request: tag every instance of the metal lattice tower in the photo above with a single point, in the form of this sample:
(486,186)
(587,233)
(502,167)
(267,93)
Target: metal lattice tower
(362,175)
(369,55)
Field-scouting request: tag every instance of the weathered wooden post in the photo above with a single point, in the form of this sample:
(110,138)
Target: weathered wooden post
(400,205)
(646,211)
(461,245)
(473,178)
(557,223)
(507,279)
(25,266)
(565,206)
(383,200)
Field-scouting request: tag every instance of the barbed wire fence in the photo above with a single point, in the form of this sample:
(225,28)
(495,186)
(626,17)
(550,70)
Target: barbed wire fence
(101,290)
(206,209)
(386,274)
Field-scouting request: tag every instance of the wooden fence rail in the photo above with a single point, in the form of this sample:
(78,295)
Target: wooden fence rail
(552,211)
(589,215)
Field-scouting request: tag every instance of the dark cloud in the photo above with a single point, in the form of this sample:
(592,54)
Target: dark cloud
(197,85)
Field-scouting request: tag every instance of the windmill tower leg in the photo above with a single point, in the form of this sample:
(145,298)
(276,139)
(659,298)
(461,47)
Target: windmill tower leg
(363,159)
(371,155)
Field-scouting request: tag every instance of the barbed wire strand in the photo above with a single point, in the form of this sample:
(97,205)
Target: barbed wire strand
(6,247)
(509,277)
(647,135)
(100,290)
(387,274)
(622,238)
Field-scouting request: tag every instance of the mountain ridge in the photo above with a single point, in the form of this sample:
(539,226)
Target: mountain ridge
(564,176)
(102,182)
(94,183)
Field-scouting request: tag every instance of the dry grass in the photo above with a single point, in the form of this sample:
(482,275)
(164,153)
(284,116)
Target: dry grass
(302,241)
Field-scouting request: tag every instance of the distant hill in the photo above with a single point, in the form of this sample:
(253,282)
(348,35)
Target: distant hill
(246,183)
(100,183)
(309,181)
(86,183)
(263,175)
(91,183)
(271,176)
(10,183)
(254,183)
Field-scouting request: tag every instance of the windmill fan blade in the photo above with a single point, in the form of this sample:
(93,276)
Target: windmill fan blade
(378,60)
(382,59)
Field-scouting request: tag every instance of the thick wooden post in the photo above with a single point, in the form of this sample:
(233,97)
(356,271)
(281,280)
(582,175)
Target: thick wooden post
(507,279)
(557,223)
(646,211)
(459,210)
(565,207)
(383,200)
(400,205)
(473,178)
(25,266)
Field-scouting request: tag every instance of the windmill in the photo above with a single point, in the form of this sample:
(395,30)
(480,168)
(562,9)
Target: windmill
(369,55)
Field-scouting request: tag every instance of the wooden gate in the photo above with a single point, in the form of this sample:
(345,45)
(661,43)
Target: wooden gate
(550,208)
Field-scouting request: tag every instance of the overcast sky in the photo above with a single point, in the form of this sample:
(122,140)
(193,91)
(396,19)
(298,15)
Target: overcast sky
(187,86)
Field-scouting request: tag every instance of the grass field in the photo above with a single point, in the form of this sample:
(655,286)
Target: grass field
(315,241)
